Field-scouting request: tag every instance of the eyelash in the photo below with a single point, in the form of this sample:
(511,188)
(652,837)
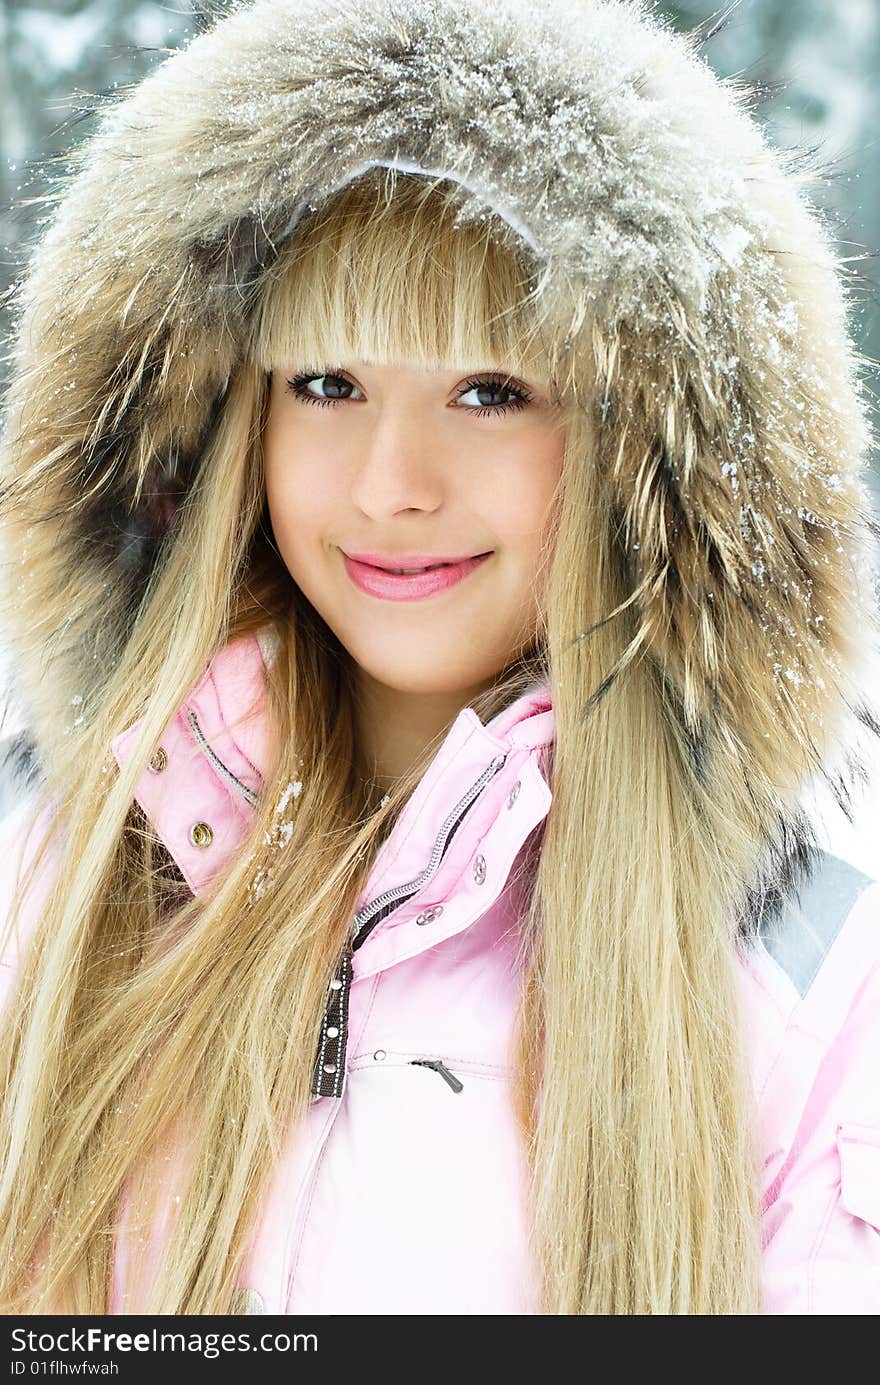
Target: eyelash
(521,396)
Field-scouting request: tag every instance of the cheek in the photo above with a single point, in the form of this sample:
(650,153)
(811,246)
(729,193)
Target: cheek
(524,493)
(298,495)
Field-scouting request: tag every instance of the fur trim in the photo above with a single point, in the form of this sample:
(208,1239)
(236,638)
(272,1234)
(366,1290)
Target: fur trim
(730,426)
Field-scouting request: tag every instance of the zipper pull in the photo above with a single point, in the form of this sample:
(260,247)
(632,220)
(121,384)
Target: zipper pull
(444,1072)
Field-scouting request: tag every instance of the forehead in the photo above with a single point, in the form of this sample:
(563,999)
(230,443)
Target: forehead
(371,303)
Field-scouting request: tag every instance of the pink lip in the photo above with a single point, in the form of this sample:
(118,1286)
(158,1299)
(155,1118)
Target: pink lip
(390,586)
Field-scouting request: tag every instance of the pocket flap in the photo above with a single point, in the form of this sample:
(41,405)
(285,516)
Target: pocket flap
(859,1149)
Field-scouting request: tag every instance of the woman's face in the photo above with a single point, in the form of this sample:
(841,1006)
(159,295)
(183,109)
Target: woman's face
(409,467)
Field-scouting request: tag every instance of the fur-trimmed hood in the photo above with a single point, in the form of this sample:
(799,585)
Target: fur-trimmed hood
(661,222)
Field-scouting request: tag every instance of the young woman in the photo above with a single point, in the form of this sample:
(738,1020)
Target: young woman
(450,940)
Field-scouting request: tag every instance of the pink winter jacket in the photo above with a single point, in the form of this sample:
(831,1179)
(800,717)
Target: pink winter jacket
(401,1193)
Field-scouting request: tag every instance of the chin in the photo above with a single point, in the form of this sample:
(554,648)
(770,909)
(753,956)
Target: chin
(400,670)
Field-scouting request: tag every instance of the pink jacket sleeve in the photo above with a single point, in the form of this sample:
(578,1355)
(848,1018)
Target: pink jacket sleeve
(820,1112)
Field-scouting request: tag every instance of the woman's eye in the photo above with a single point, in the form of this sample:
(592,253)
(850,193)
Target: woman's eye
(518,397)
(334,387)
(493,396)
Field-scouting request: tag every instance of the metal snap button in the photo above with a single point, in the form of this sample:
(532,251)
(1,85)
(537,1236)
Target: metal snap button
(200,834)
(335,984)
(429,915)
(379,1054)
(513,795)
(329,1067)
(332,1032)
(479,869)
(158,761)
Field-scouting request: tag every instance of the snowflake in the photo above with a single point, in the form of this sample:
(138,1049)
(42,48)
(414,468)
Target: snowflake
(293,790)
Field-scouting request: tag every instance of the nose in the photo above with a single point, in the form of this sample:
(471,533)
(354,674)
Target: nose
(398,464)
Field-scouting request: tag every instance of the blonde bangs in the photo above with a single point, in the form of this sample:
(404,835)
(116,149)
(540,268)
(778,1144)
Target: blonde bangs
(384,273)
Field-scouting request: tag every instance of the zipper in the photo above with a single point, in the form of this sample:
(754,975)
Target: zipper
(330,1059)
(217,762)
(365,919)
(448,1077)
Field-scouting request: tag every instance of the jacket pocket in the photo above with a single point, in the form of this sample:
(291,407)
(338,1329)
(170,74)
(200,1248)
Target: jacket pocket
(838,1270)
(454,1071)
(858,1148)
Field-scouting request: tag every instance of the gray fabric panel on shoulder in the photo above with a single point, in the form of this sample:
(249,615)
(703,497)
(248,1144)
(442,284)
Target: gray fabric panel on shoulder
(800,936)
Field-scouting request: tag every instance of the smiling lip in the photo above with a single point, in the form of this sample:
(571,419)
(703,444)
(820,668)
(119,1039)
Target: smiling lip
(390,586)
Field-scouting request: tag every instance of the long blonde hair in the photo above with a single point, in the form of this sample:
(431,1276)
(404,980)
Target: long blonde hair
(632,1088)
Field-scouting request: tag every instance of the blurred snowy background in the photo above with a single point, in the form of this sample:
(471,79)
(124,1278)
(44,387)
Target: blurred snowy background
(816,64)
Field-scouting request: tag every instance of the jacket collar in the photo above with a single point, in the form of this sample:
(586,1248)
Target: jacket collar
(201,785)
